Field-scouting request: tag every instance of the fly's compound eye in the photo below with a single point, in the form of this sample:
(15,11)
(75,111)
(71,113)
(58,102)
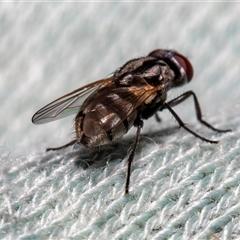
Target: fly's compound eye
(185,64)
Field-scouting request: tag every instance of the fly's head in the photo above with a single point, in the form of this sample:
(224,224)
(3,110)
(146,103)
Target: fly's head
(180,65)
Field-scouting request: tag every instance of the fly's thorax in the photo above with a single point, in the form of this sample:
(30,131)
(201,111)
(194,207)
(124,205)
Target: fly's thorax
(135,67)
(139,72)
(166,77)
(144,72)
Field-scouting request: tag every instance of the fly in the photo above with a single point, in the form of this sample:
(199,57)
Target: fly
(106,109)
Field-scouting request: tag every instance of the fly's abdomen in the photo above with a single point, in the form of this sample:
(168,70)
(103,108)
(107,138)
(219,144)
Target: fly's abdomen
(104,119)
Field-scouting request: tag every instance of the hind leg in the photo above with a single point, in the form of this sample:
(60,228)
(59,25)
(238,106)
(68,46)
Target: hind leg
(62,147)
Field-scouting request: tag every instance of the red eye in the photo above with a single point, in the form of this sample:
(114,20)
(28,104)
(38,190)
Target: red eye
(185,64)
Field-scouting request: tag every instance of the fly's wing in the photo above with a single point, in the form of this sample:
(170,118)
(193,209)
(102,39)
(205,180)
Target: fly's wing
(123,100)
(68,104)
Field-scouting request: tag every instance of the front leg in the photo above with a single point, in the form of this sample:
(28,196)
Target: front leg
(185,96)
(183,125)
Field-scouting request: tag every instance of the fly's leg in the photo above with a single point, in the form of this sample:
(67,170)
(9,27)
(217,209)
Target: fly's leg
(131,156)
(182,124)
(62,147)
(158,119)
(182,98)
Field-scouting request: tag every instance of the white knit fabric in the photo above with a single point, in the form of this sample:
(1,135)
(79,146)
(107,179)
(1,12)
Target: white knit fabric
(181,187)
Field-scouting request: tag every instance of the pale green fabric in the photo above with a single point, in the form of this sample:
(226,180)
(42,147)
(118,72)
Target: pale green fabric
(181,187)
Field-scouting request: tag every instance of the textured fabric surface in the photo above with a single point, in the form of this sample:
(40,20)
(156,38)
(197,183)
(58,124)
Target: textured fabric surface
(181,187)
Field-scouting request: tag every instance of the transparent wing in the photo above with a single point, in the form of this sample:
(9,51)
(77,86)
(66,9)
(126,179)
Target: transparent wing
(68,104)
(126,100)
